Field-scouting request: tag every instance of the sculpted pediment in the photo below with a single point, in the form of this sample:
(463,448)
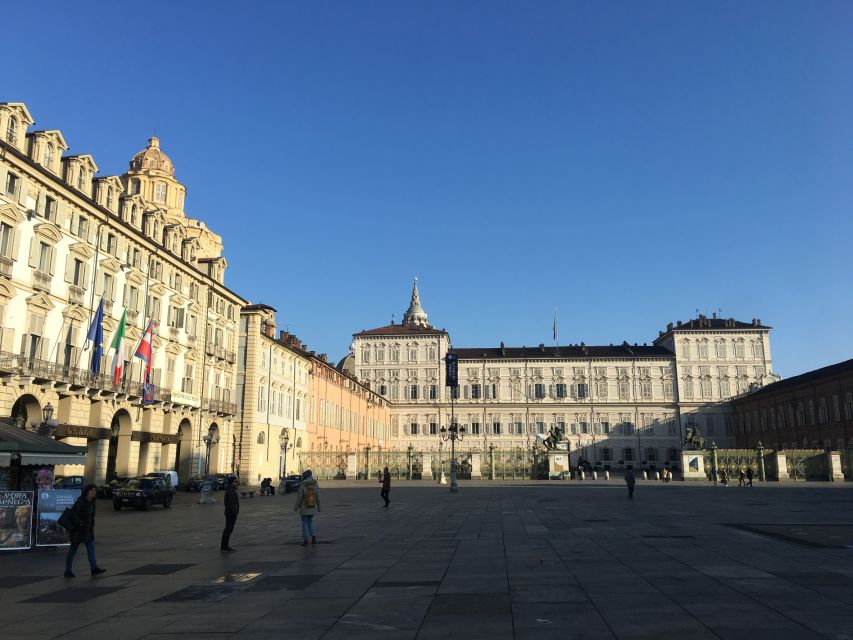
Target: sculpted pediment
(111,264)
(49,231)
(40,301)
(82,249)
(10,212)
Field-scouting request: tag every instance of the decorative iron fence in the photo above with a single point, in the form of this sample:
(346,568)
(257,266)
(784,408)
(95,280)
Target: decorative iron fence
(735,460)
(847,463)
(512,464)
(325,465)
(806,464)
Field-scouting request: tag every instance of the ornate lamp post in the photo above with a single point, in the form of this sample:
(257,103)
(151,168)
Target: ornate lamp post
(367,462)
(410,454)
(760,451)
(49,425)
(492,461)
(209,440)
(284,445)
(453,433)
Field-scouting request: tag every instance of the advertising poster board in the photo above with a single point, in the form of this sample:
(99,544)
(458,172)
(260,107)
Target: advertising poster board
(51,504)
(16,520)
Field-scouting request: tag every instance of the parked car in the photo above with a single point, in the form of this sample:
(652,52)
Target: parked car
(106,490)
(291,483)
(68,482)
(195,483)
(142,492)
(171,476)
(563,475)
(222,479)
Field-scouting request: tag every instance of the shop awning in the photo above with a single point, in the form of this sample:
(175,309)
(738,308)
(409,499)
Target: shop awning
(5,458)
(52,458)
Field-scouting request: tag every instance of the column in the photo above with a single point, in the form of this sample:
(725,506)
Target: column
(167,457)
(96,461)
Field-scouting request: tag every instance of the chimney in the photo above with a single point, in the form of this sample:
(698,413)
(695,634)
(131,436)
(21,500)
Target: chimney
(669,327)
(759,320)
(542,347)
(753,322)
(714,315)
(679,323)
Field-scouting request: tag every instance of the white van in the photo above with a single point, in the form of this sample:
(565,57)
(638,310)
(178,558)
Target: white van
(171,476)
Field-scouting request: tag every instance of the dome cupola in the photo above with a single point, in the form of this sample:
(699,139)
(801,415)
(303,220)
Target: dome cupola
(151,158)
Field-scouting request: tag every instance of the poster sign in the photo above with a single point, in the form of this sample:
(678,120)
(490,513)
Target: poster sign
(693,463)
(51,504)
(148,394)
(16,520)
(451,361)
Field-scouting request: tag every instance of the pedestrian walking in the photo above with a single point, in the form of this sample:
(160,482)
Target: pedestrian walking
(741,478)
(232,508)
(749,476)
(308,505)
(83,530)
(714,475)
(630,480)
(386,485)
(724,477)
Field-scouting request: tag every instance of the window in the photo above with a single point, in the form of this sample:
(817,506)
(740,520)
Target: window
(836,408)
(739,349)
(78,272)
(395,354)
(475,391)
(160,192)
(538,391)
(12,182)
(706,388)
(703,349)
(82,229)
(48,155)
(685,350)
(721,349)
(454,393)
(688,387)
(433,428)
(433,392)
(365,355)
(108,287)
(49,209)
(646,389)
(583,390)
(475,428)
(758,350)
(6,237)
(109,197)
(496,428)
(606,454)
(602,389)
(667,389)
(43,263)
(12,130)
(134,187)
(623,389)
(605,428)
(413,392)
(81,178)
(651,454)
(413,354)
(540,426)
(629,454)
(187,382)
(725,388)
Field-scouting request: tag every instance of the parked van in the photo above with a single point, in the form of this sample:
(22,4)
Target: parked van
(172,476)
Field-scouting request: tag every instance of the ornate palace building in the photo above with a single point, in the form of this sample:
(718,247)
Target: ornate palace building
(69,237)
(619,403)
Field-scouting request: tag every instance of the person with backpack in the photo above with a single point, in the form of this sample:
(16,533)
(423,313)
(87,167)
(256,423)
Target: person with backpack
(308,504)
(82,522)
(386,486)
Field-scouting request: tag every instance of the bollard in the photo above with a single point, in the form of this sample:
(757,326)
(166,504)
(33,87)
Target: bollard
(594,474)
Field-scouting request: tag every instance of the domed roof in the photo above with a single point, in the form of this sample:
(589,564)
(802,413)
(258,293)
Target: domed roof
(152,158)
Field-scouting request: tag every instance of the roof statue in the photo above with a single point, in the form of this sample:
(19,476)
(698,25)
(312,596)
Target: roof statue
(415,315)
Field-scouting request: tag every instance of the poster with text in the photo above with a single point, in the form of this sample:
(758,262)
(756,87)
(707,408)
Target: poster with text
(51,504)
(16,520)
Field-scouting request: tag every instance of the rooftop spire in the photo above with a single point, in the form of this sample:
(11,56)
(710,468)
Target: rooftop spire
(415,315)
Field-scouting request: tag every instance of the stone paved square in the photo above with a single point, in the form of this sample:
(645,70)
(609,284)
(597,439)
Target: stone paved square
(499,560)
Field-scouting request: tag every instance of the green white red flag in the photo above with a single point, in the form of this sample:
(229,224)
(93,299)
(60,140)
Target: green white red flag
(118,345)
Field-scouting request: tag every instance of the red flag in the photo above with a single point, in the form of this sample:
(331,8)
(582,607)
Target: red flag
(145,350)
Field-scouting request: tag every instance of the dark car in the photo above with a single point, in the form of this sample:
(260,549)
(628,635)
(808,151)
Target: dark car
(68,482)
(196,482)
(106,490)
(291,483)
(142,492)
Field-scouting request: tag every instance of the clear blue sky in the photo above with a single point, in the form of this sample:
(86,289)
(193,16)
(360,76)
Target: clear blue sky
(625,162)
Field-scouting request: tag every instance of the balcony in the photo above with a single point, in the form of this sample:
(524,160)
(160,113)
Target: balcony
(41,281)
(220,406)
(230,356)
(5,267)
(191,340)
(108,307)
(210,349)
(133,316)
(76,295)
(173,333)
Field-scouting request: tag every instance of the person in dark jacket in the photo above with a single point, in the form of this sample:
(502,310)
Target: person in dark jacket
(749,476)
(386,485)
(232,508)
(630,480)
(83,530)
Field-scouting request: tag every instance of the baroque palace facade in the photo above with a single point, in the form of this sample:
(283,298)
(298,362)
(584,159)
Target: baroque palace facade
(618,404)
(69,237)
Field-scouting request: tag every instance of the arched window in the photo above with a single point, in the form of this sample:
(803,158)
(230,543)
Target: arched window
(12,130)
(133,215)
(81,175)
(160,192)
(109,197)
(48,155)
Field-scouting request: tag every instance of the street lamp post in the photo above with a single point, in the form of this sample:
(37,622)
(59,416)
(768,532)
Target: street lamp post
(367,462)
(283,443)
(410,457)
(48,427)
(209,440)
(453,433)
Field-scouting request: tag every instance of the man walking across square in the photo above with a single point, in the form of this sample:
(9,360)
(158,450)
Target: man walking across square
(232,508)
(386,485)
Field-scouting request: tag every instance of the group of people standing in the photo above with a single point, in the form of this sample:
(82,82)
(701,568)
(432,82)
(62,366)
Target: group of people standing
(745,476)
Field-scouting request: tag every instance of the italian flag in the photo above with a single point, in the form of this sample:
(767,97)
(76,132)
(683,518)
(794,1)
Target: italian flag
(118,345)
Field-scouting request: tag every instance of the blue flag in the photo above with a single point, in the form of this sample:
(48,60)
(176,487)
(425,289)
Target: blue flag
(96,337)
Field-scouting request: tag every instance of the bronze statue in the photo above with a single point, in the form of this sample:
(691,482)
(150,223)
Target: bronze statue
(556,435)
(693,441)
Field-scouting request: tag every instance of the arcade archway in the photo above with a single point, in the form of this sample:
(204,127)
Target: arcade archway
(27,411)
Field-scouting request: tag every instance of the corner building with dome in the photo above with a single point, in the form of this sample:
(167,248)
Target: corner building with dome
(68,237)
(619,405)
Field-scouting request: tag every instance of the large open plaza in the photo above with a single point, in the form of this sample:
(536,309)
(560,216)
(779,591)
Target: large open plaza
(498,560)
